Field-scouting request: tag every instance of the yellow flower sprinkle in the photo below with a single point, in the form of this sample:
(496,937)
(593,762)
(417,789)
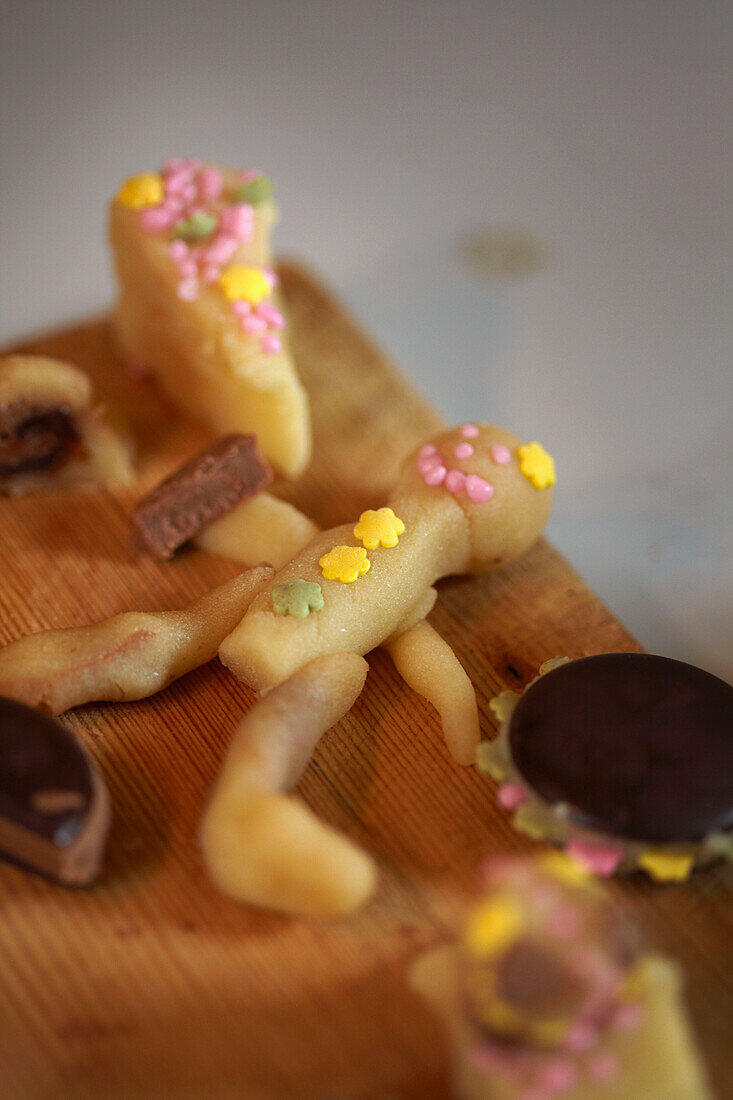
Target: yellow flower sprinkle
(497,1015)
(564,868)
(492,926)
(250,283)
(145,189)
(345,564)
(380,528)
(552,664)
(503,704)
(537,465)
(666,866)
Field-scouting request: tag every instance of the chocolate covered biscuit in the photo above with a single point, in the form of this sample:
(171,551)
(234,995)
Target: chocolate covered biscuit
(36,437)
(204,488)
(625,759)
(550,992)
(54,807)
(52,436)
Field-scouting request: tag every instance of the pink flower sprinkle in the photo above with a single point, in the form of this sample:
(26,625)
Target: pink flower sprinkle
(156,219)
(581,1037)
(210,183)
(173,205)
(270,344)
(511,795)
(178,183)
(210,273)
(253,325)
(188,290)
(469,431)
(427,449)
(603,1067)
(428,462)
(601,859)
(558,1075)
(221,250)
(237,221)
(271,276)
(178,250)
(187,267)
(463,450)
(188,192)
(241,307)
(500,454)
(268,313)
(479,491)
(435,475)
(455,482)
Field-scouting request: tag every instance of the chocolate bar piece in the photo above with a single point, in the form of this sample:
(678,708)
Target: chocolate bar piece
(54,806)
(206,487)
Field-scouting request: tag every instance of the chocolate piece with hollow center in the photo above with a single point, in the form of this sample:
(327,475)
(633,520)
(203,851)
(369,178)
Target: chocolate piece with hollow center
(638,746)
(54,807)
(35,438)
(206,487)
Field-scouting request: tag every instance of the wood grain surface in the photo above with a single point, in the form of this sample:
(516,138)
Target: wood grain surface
(152,984)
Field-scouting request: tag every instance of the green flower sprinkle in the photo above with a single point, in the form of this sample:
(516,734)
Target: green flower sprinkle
(297,598)
(196,228)
(254,191)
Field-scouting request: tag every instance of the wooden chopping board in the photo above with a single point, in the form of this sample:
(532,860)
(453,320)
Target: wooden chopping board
(152,984)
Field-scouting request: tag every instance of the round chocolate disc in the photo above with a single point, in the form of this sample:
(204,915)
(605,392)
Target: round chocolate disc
(636,745)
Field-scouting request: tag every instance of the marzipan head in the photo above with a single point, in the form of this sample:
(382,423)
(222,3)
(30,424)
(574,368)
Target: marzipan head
(503,486)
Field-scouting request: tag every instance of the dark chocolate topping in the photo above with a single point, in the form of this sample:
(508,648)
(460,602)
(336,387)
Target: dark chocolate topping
(206,487)
(39,761)
(638,746)
(537,981)
(36,439)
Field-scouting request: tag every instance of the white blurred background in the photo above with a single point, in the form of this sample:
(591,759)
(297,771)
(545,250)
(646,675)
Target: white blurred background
(397,131)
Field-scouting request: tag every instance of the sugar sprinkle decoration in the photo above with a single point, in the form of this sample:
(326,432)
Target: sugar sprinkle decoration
(665,866)
(435,475)
(187,199)
(297,597)
(478,490)
(434,471)
(379,528)
(500,454)
(455,482)
(537,465)
(511,795)
(141,191)
(345,564)
(254,190)
(601,859)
